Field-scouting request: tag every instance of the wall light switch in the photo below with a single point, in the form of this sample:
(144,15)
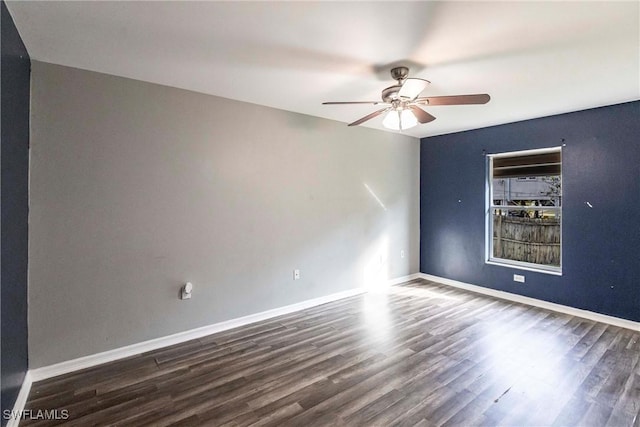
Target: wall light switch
(296,274)
(402,254)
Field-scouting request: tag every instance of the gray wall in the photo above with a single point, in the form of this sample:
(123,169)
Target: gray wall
(136,188)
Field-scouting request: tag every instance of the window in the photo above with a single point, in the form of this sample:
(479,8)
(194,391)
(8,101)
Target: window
(525,209)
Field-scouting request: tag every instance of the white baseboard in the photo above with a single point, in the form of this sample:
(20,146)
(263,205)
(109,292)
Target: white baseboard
(403,279)
(61,368)
(50,371)
(21,401)
(597,317)
(45,372)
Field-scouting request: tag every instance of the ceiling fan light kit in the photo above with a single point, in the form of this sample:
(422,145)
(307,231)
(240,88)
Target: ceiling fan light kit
(403,109)
(399,120)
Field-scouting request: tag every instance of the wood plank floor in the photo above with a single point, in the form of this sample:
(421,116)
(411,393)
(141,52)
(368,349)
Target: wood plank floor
(418,354)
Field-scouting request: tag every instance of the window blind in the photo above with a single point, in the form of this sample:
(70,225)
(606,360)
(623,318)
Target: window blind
(529,165)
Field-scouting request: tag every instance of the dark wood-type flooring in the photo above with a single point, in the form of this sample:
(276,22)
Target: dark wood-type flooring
(418,354)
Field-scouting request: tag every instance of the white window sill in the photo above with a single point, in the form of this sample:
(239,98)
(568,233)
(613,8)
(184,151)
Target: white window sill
(525,266)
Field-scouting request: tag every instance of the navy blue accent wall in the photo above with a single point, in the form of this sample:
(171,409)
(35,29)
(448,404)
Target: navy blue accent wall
(14,137)
(601,242)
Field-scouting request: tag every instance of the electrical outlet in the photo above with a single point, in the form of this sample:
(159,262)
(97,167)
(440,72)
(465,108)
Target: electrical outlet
(518,278)
(185,291)
(402,254)
(296,274)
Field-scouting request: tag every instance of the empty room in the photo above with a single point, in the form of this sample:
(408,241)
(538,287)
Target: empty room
(320,213)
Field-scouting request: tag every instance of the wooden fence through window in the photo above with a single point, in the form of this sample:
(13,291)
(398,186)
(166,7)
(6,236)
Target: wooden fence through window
(534,240)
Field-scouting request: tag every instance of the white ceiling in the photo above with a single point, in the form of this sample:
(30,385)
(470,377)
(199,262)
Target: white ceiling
(533,58)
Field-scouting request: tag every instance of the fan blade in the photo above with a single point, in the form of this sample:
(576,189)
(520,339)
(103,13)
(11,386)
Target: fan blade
(421,115)
(370,116)
(354,102)
(480,98)
(411,88)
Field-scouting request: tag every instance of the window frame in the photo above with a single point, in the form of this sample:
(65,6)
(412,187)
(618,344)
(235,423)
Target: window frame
(521,265)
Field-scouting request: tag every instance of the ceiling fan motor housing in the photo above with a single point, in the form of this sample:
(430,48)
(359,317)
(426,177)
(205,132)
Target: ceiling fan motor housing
(390,94)
(400,74)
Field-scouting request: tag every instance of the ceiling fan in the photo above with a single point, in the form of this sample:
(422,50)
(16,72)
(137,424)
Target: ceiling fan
(403,106)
